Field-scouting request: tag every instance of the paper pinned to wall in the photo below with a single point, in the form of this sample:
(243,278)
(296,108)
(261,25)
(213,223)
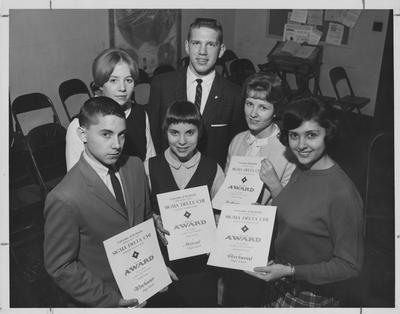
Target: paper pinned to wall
(288,32)
(315,37)
(296,32)
(315,17)
(335,34)
(350,17)
(299,16)
(334,15)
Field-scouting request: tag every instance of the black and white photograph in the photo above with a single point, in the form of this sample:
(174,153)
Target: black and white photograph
(113,109)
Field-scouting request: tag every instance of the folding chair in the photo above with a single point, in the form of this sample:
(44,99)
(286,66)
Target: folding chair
(346,101)
(141,93)
(46,145)
(69,88)
(163,68)
(183,63)
(379,191)
(143,77)
(241,69)
(94,88)
(27,104)
(225,62)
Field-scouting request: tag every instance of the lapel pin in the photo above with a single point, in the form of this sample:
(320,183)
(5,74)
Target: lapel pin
(216,97)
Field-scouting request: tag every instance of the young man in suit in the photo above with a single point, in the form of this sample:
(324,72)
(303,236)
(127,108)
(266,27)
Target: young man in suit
(89,206)
(217,98)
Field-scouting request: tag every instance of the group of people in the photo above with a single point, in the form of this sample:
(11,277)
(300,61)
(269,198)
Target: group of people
(119,157)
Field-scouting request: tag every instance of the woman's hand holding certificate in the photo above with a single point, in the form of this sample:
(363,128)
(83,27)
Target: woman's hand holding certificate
(243,236)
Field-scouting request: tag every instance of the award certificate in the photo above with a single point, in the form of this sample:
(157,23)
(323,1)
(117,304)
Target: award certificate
(136,262)
(188,216)
(243,236)
(242,183)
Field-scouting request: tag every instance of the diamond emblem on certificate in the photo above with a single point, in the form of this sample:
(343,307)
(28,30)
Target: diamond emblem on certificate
(187,214)
(244,228)
(135,254)
(244,179)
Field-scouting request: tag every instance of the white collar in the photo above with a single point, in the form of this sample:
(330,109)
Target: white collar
(207,79)
(252,140)
(99,168)
(177,164)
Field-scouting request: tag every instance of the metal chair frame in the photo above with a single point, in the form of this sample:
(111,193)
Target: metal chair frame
(347,103)
(69,88)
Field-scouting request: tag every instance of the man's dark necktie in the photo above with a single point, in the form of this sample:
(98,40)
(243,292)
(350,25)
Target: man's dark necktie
(117,188)
(199,90)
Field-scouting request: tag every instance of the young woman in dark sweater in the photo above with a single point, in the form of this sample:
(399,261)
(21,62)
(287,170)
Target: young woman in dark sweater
(319,238)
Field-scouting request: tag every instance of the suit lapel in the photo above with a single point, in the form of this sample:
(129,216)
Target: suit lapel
(180,91)
(128,187)
(213,100)
(97,187)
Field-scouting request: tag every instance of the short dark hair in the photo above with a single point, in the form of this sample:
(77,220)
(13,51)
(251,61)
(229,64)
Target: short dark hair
(104,64)
(267,87)
(306,109)
(95,106)
(206,22)
(183,112)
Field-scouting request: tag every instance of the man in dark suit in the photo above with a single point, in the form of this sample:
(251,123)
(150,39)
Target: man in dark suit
(218,99)
(88,206)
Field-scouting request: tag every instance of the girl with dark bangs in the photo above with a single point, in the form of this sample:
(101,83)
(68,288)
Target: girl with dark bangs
(182,166)
(319,238)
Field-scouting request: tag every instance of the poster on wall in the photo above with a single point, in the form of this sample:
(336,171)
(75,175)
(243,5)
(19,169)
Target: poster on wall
(151,36)
(285,23)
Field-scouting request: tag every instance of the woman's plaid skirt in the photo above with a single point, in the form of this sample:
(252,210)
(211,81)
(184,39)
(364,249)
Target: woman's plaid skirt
(288,293)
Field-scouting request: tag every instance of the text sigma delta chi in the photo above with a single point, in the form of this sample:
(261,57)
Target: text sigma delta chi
(246,170)
(246,218)
(185,203)
(131,244)
(138,264)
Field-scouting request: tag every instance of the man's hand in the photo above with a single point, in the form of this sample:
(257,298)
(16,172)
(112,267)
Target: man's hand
(173,276)
(160,229)
(131,303)
(171,273)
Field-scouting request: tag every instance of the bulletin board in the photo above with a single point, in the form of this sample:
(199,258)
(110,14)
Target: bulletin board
(277,19)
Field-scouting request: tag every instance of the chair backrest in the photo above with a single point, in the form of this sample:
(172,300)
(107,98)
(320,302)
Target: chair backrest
(184,62)
(240,69)
(338,75)
(228,56)
(142,93)
(95,89)
(29,103)
(70,88)
(379,190)
(143,77)
(225,61)
(46,144)
(163,68)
